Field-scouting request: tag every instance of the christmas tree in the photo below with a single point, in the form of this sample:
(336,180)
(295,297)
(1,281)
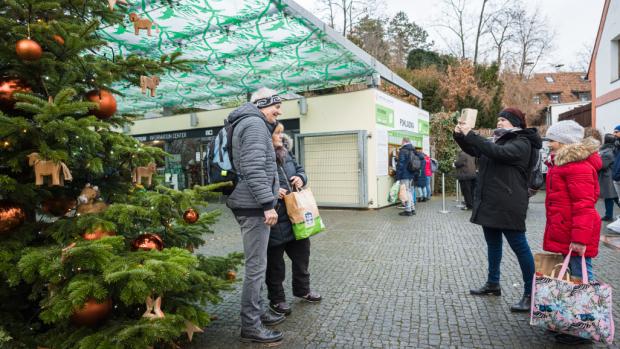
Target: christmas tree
(89,259)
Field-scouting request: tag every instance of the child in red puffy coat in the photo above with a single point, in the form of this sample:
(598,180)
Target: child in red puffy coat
(572,191)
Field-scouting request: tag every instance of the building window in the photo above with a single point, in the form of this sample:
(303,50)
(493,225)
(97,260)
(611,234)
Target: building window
(584,96)
(536,99)
(554,98)
(615,59)
(549,79)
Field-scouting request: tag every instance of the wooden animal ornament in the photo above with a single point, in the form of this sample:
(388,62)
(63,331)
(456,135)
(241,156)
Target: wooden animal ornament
(58,170)
(149,82)
(142,23)
(87,201)
(113,2)
(153,309)
(143,171)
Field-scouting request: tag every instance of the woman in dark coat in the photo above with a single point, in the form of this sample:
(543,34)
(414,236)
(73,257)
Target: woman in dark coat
(608,192)
(501,196)
(281,239)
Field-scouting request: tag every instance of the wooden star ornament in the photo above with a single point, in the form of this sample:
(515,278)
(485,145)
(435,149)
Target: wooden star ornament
(190,329)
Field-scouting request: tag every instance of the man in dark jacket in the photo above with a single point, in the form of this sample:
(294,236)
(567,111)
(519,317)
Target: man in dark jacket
(465,165)
(501,195)
(253,203)
(405,176)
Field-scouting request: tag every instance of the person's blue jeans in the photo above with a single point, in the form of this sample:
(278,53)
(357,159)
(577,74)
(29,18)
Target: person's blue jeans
(429,192)
(575,267)
(518,243)
(609,207)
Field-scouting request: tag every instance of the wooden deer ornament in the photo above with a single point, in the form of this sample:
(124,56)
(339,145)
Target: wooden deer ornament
(87,201)
(143,171)
(149,82)
(58,170)
(142,23)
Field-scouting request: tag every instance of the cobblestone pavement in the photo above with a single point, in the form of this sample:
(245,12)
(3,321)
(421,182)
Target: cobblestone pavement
(399,282)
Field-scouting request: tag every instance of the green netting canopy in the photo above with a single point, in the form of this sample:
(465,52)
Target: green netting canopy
(246,44)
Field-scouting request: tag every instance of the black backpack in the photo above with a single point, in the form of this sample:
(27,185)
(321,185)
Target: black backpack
(219,164)
(535,179)
(414,165)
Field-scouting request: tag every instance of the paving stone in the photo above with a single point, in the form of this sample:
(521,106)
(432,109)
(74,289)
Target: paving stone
(398,282)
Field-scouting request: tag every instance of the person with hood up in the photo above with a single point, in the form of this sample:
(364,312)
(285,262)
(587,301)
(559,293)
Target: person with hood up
(501,195)
(253,203)
(608,192)
(281,238)
(573,224)
(405,176)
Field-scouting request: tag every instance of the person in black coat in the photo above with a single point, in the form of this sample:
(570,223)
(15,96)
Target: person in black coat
(281,239)
(501,195)
(465,165)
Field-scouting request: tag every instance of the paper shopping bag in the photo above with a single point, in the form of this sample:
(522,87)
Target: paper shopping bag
(545,262)
(303,213)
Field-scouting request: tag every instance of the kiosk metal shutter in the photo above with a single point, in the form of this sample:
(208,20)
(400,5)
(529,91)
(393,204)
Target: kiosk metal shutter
(336,167)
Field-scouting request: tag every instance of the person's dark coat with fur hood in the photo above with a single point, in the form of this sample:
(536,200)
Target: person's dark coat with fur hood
(572,192)
(501,196)
(282,232)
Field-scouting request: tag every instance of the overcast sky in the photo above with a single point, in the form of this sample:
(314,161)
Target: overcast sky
(575,23)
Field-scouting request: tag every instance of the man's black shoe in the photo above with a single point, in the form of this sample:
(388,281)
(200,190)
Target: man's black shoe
(261,335)
(270,318)
(523,305)
(406,213)
(607,219)
(280,308)
(487,289)
(312,297)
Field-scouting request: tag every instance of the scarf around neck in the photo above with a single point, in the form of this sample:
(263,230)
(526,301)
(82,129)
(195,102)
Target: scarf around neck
(501,132)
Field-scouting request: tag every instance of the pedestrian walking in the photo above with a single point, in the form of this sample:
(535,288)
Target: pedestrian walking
(573,224)
(407,175)
(608,192)
(292,176)
(501,196)
(253,203)
(465,165)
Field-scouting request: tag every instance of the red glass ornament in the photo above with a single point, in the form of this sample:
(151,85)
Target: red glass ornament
(28,50)
(11,216)
(147,242)
(190,216)
(92,312)
(97,234)
(7,88)
(106,101)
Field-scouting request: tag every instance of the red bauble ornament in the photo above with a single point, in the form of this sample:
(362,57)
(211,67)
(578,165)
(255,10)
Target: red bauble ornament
(58,206)
(7,88)
(231,275)
(92,312)
(11,216)
(190,216)
(106,101)
(28,50)
(97,234)
(59,40)
(147,242)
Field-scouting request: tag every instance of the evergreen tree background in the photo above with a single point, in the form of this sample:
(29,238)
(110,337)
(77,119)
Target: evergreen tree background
(47,269)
